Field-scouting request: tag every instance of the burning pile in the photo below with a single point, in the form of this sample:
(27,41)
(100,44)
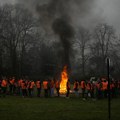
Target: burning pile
(64,79)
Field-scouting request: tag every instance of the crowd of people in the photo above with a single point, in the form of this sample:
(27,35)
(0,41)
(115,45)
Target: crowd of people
(50,88)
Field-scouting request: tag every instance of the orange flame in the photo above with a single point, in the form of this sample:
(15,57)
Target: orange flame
(64,79)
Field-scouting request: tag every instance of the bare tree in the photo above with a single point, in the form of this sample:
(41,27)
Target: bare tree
(18,22)
(103,39)
(115,58)
(82,44)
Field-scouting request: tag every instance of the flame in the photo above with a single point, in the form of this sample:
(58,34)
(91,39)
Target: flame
(64,79)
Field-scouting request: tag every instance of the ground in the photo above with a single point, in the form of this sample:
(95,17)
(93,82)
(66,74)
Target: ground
(18,108)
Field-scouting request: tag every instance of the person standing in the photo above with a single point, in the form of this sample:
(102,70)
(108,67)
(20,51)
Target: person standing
(29,88)
(19,86)
(68,88)
(4,87)
(93,89)
(51,88)
(45,87)
(31,85)
(11,85)
(38,85)
(76,87)
(105,88)
(88,88)
(24,88)
(99,89)
(57,86)
(83,87)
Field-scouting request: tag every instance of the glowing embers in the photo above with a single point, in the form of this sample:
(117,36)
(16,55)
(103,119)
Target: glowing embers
(64,79)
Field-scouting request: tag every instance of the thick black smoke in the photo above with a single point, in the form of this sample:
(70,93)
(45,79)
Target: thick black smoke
(56,15)
(65,32)
(52,10)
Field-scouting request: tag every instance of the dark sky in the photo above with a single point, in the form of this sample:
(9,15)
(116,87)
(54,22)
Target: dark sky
(102,10)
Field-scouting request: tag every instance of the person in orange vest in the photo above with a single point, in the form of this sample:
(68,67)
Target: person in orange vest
(99,89)
(83,87)
(38,86)
(88,88)
(24,88)
(68,88)
(76,87)
(51,88)
(105,88)
(93,88)
(19,86)
(30,87)
(4,84)
(112,88)
(15,88)
(11,85)
(57,86)
(45,87)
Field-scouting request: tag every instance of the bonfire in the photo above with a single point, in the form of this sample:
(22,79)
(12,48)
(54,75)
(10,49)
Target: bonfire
(64,79)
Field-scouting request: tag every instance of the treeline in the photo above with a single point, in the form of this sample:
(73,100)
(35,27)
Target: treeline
(27,49)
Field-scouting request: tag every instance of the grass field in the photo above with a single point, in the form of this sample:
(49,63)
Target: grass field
(18,108)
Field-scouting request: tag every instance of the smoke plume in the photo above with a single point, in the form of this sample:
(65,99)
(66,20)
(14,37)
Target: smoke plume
(65,32)
(58,16)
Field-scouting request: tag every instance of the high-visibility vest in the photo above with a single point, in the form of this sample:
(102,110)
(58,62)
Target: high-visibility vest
(76,85)
(113,85)
(45,84)
(12,81)
(4,83)
(105,85)
(83,84)
(20,82)
(23,85)
(32,84)
(52,84)
(99,86)
(38,85)
(57,84)
(88,86)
